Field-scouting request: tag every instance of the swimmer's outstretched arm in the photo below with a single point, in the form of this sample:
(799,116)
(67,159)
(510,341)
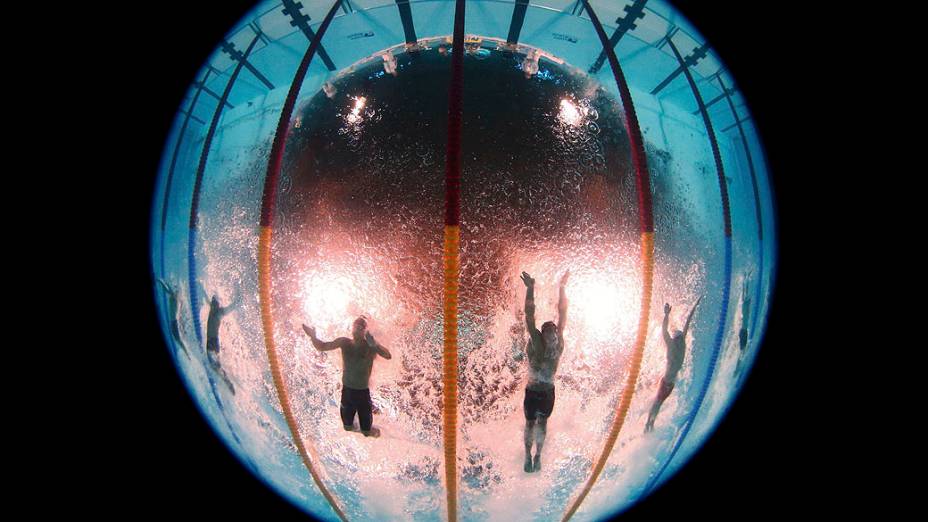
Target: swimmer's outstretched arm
(686,326)
(529,302)
(562,304)
(666,323)
(166,287)
(379,348)
(233,305)
(323,346)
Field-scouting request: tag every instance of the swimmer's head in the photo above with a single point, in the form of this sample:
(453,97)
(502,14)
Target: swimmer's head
(359,328)
(214,302)
(549,333)
(677,335)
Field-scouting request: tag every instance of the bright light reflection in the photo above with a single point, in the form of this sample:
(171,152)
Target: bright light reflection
(603,305)
(326,298)
(355,115)
(569,113)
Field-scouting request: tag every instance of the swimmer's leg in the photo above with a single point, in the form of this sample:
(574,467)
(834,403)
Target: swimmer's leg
(225,378)
(663,391)
(213,358)
(175,333)
(649,425)
(347,411)
(541,427)
(529,438)
(366,414)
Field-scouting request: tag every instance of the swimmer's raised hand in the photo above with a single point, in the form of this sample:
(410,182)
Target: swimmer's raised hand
(527,279)
(310,331)
(666,308)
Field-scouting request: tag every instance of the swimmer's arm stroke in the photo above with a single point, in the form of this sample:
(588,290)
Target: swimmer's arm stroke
(167,288)
(529,302)
(562,304)
(666,323)
(324,346)
(686,326)
(237,300)
(379,348)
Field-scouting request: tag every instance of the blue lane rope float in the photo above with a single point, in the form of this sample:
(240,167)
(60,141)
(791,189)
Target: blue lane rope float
(726,287)
(757,207)
(198,184)
(192,236)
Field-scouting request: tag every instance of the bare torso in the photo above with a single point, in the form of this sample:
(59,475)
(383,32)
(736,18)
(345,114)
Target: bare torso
(542,363)
(213,321)
(676,349)
(357,361)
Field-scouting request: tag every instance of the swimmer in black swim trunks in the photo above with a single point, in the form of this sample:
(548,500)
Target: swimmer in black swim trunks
(216,313)
(358,355)
(544,350)
(172,313)
(676,350)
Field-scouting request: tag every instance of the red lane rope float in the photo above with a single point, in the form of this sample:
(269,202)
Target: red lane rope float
(451,262)
(268,205)
(646,223)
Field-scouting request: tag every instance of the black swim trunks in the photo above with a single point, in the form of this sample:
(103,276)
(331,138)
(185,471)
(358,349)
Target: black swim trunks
(212,351)
(357,401)
(538,403)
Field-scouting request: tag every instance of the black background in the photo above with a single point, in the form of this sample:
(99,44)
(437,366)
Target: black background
(167,461)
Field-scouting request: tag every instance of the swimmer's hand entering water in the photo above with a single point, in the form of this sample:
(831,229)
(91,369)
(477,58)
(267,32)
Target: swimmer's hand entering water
(527,279)
(310,331)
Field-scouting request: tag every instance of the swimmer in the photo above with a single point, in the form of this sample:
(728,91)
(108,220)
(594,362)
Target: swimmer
(676,350)
(358,355)
(173,314)
(216,313)
(544,349)
(745,317)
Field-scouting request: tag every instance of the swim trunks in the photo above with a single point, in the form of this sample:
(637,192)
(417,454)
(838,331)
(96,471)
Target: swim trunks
(665,389)
(538,403)
(357,401)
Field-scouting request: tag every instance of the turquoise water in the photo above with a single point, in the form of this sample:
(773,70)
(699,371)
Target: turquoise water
(548,185)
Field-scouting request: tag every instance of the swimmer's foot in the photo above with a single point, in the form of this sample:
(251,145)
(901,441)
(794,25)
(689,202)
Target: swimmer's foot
(351,428)
(374,432)
(537,463)
(529,467)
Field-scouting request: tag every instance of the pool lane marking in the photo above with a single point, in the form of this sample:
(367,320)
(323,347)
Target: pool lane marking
(726,287)
(167,186)
(757,210)
(646,225)
(451,264)
(193,289)
(268,206)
